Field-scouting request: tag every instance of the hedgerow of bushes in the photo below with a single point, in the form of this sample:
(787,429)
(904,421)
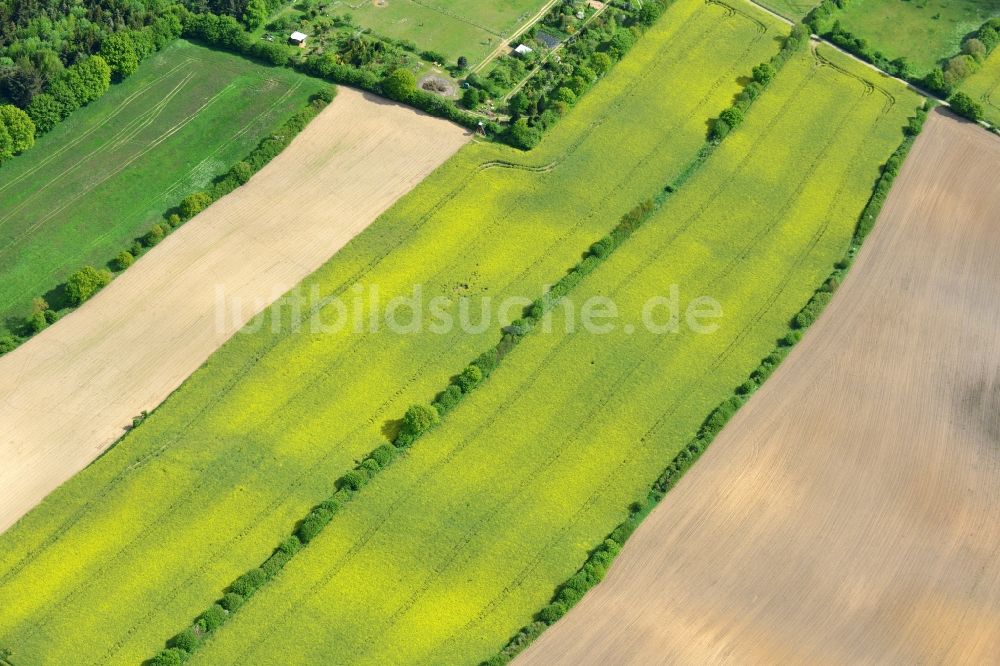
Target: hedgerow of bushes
(420,419)
(87,281)
(600,558)
(763,74)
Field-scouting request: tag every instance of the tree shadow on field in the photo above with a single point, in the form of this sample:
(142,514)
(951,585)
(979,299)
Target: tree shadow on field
(57,298)
(390,429)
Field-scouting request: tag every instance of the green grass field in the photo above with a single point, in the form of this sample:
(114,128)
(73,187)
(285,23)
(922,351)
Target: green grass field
(454,548)
(110,171)
(472,28)
(794,9)
(925,32)
(127,552)
(984,87)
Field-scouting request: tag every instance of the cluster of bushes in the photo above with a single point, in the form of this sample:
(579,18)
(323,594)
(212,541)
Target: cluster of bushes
(975,50)
(763,74)
(592,572)
(87,281)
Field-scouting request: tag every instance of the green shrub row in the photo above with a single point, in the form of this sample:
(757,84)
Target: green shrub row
(600,558)
(420,419)
(87,281)
(763,74)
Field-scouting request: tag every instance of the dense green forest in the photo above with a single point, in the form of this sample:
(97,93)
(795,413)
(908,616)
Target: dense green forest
(40,39)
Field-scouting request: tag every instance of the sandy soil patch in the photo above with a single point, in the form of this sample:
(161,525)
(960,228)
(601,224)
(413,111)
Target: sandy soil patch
(849,513)
(66,395)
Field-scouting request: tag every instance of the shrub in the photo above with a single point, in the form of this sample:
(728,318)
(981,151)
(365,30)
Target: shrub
(313,524)
(522,135)
(470,378)
(732,116)
(241,172)
(275,563)
(964,105)
(763,73)
(292,545)
(448,399)
(168,657)
(86,282)
(383,455)
(194,204)
(353,480)
(186,641)
(124,260)
(418,420)
(213,618)
(231,601)
(154,236)
(470,98)
(551,613)
(400,85)
(249,582)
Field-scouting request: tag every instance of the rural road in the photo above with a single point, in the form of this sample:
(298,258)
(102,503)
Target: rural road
(66,394)
(848,513)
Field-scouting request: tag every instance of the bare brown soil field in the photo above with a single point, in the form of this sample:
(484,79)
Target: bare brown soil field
(850,512)
(66,394)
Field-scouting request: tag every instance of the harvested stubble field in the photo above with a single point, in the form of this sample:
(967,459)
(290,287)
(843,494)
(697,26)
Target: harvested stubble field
(128,551)
(984,87)
(111,170)
(449,551)
(65,394)
(848,514)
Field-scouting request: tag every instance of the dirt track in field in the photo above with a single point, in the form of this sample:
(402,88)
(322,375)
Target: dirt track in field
(850,513)
(66,395)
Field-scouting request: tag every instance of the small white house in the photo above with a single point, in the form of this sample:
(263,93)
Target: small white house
(522,49)
(298,39)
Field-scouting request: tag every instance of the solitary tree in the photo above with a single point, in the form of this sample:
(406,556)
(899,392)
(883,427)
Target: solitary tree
(463,62)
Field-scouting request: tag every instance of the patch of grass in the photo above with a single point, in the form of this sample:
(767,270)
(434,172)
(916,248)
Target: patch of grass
(110,171)
(925,32)
(472,28)
(450,550)
(214,478)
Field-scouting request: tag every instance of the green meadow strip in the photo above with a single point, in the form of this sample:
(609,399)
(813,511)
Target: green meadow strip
(601,556)
(421,418)
(87,281)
